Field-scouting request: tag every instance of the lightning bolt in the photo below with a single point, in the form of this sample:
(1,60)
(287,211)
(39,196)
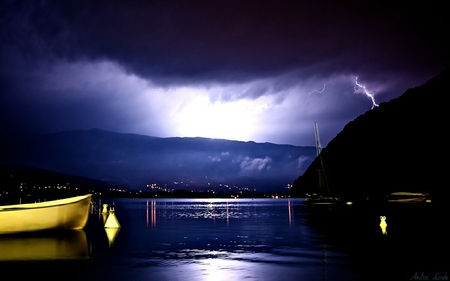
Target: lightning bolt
(357,88)
(317,91)
(368,93)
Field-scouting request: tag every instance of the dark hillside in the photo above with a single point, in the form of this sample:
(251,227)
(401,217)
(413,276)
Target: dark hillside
(27,184)
(398,146)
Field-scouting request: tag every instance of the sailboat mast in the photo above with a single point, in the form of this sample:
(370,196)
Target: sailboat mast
(321,171)
(316,132)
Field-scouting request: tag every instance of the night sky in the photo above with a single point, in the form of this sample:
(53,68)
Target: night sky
(241,70)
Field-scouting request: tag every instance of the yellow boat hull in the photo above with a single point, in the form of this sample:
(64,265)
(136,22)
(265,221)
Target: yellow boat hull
(69,213)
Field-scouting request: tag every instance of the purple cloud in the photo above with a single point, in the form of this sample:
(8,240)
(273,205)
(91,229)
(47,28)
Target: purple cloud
(221,69)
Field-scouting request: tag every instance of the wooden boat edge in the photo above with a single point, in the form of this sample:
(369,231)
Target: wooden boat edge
(51,203)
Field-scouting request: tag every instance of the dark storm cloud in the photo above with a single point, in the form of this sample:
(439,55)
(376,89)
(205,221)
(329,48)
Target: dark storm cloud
(229,40)
(138,66)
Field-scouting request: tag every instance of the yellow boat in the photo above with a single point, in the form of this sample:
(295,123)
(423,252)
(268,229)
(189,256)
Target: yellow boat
(68,213)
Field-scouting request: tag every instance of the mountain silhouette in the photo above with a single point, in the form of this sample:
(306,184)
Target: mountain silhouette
(398,146)
(133,161)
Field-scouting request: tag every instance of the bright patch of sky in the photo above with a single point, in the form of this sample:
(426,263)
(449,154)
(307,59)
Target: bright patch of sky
(251,111)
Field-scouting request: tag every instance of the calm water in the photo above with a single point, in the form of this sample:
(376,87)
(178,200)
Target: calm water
(242,239)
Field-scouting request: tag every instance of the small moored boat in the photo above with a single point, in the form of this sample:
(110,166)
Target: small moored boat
(408,197)
(68,213)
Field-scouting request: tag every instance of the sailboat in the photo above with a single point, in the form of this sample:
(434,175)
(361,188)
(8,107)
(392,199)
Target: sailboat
(321,199)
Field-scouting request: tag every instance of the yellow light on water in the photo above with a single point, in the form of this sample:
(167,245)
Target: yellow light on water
(383,225)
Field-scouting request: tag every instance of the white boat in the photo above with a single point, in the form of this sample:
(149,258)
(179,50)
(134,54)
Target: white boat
(408,197)
(320,199)
(68,213)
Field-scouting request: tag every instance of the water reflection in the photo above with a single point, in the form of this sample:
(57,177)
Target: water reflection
(214,209)
(151,218)
(111,234)
(219,231)
(290,212)
(68,244)
(228,215)
(416,238)
(193,239)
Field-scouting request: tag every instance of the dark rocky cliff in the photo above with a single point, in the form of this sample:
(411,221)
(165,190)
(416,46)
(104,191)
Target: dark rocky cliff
(400,145)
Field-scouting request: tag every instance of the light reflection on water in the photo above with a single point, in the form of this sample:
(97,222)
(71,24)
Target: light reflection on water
(70,244)
(252,239)
(219,239)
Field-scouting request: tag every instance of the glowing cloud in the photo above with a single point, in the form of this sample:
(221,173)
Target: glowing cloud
(255,164)
(198,116)
(301,160)
(263,110)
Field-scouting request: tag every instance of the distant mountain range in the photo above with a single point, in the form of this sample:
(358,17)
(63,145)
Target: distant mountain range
(399,146)
(135,161)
